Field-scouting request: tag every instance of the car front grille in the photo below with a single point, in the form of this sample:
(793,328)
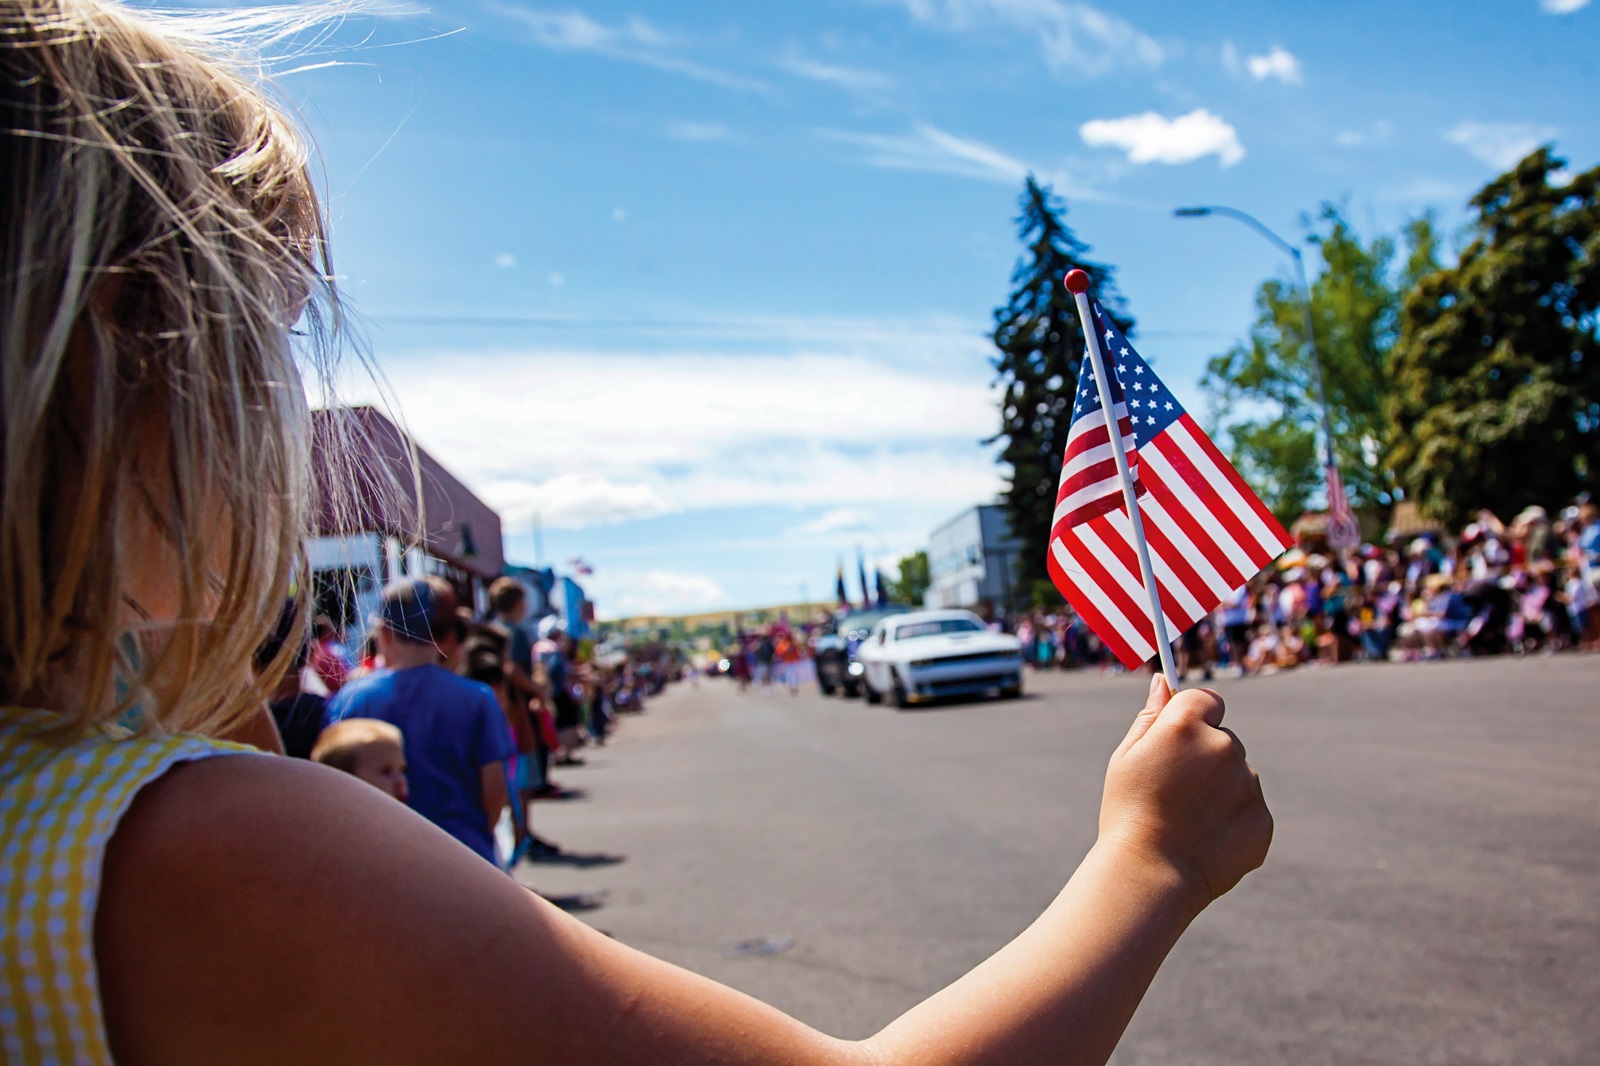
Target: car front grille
(996,657)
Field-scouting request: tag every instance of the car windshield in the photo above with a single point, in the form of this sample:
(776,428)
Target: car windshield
(936,626)
(863,621)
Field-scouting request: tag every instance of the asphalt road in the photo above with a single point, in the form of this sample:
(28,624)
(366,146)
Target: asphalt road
(1432,896)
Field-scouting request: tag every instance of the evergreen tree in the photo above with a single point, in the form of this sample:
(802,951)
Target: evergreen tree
(1496,399)
(1041,347)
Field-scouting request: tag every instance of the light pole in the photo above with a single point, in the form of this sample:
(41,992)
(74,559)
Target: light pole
(1342,538)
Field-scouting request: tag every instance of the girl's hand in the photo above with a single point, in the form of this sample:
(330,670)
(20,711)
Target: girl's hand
(1179,792)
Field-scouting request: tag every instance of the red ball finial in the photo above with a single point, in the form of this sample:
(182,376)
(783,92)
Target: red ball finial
(1077,281)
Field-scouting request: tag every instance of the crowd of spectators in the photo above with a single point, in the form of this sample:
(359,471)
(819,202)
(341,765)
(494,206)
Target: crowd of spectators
(461,718)
(1492,588)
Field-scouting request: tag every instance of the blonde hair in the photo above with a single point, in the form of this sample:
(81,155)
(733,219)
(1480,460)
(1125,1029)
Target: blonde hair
(341,744)
(159,237)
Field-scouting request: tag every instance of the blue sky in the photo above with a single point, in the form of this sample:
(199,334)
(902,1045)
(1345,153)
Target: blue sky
(706,285)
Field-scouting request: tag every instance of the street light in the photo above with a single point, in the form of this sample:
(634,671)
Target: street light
(1293,252)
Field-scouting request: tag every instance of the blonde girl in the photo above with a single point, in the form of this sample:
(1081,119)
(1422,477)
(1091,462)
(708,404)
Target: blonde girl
(166,896)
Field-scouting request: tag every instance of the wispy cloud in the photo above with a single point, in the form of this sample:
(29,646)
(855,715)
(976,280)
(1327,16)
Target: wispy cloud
(858,421)
(930,149)
(697,131)
(647,592)
(1154,138)
(1424,191)
(1377,132)
(1499,144)
(837,520)
(1562,7)
(575,499)
(633,40)
(851,79)
(1073,37)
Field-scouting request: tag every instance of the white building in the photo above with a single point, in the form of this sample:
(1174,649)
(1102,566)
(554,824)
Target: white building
(972,559)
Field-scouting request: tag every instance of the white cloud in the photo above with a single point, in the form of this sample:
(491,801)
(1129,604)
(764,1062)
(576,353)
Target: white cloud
(881,416)
(849,78)
(1562,7)
(619,214)
(838,520)
(1499,144)
(574,499)
(662,592)
(1278,63)
(505,260)
(1072,36)
(697,131)
(633,41)
(1154,138)
(933,150)
(556,279)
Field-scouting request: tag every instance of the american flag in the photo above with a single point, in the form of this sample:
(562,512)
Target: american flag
(1208,533)
(1343,532)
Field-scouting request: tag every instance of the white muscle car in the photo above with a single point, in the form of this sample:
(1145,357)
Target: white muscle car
(926,654)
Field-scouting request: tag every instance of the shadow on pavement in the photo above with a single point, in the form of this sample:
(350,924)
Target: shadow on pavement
(563,796)
(578,902)
(951,703)
(579,859)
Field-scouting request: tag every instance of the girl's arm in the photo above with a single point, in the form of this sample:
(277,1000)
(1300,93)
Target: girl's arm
(262,910)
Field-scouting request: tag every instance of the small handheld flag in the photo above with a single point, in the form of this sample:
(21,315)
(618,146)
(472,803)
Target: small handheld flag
(1153,527)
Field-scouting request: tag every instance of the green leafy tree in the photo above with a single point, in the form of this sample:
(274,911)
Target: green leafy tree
(1041,347)
(913,579)
(1355,303)
(1497,370)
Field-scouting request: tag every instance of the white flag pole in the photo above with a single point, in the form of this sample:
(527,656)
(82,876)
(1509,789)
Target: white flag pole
(1077,283)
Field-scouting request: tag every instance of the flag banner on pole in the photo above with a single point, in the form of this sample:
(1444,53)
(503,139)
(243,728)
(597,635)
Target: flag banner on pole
(1343,531)
(1208,533)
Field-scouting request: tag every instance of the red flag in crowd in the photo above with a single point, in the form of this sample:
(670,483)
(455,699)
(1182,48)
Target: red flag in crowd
(1343,532)
(1207,532)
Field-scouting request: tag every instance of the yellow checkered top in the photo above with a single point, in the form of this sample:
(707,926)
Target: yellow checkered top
(59,804)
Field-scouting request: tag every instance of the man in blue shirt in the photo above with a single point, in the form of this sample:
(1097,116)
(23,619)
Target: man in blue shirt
(456,739)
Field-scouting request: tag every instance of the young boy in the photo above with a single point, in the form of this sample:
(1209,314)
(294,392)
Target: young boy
(366,748)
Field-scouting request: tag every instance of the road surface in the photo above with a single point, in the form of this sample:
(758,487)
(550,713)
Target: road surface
(1432,896)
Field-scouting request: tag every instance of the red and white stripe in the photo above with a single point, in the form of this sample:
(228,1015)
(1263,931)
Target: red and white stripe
(1208,534)
(1089,484)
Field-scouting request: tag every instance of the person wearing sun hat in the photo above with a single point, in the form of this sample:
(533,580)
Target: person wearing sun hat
(456,740)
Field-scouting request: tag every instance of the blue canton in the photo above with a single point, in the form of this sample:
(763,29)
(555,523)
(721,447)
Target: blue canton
(1151,407)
